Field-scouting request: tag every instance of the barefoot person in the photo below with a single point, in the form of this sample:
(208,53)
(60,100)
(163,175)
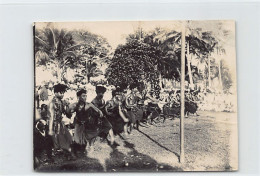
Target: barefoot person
(134,112)
(61,137)
(99,102)
(115,113)
(86,122)
(153,110)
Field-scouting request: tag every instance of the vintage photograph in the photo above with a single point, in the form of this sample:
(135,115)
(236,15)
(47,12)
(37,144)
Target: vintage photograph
(135,96)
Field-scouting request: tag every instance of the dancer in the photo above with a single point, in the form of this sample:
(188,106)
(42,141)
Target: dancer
(134,113)
(116,113)
(86,122)
(99,102)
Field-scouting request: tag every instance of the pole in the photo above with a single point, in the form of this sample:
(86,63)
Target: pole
(209,78)
(182,93)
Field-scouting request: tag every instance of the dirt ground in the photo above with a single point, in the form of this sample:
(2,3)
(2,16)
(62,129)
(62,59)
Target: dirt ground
(210,145)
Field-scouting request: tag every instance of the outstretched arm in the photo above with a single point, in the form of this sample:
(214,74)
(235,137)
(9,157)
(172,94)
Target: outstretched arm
(153,99)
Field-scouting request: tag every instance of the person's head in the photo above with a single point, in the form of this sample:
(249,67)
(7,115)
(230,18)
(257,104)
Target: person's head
(133,87)
(43,107)
(59,90)
(123,87)
(100,91)
(82,95)
(41,125)
(140,87)
(117,94)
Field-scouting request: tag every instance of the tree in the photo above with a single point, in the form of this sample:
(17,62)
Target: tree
(56,47)
(222,35)
(134,62)
(168,62)
(63,49)
(217,33)
(169,43)
(225,76)
(95,51)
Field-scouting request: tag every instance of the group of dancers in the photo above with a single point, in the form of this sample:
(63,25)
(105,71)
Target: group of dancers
(128,108)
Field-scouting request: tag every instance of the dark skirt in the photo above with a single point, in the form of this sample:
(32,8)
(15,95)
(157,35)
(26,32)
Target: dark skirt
(88,125)
(83,134)
(135,114)
(62,139)
(117,123)
(171,110)
(154,110)
(191,107)
(42,143)
(104,126)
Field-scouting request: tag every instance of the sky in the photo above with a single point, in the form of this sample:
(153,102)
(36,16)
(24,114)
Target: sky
(116,31)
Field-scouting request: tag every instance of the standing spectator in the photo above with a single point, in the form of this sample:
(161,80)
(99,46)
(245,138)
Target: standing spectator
(62,138)
(43,94)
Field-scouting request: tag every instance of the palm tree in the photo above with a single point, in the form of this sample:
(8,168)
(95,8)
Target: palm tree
(56,47)
(70,49)
(168,43)
(96,50)
(197,47)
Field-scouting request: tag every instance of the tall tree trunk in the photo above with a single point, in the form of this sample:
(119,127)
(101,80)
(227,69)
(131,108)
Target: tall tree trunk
(59,73)
(189,68)
(88,78)
(204,78)
(220,75)
(209,77)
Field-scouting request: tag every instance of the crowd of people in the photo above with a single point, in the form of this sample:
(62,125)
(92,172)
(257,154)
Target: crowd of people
(129,108)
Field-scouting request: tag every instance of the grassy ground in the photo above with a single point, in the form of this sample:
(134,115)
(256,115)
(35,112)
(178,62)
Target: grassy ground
(210,145)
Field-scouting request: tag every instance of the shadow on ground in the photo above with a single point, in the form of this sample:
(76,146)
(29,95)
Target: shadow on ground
(84,164)
(135,162)
(163,147)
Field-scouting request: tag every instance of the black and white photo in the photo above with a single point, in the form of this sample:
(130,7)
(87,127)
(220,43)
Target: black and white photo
(135,96)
